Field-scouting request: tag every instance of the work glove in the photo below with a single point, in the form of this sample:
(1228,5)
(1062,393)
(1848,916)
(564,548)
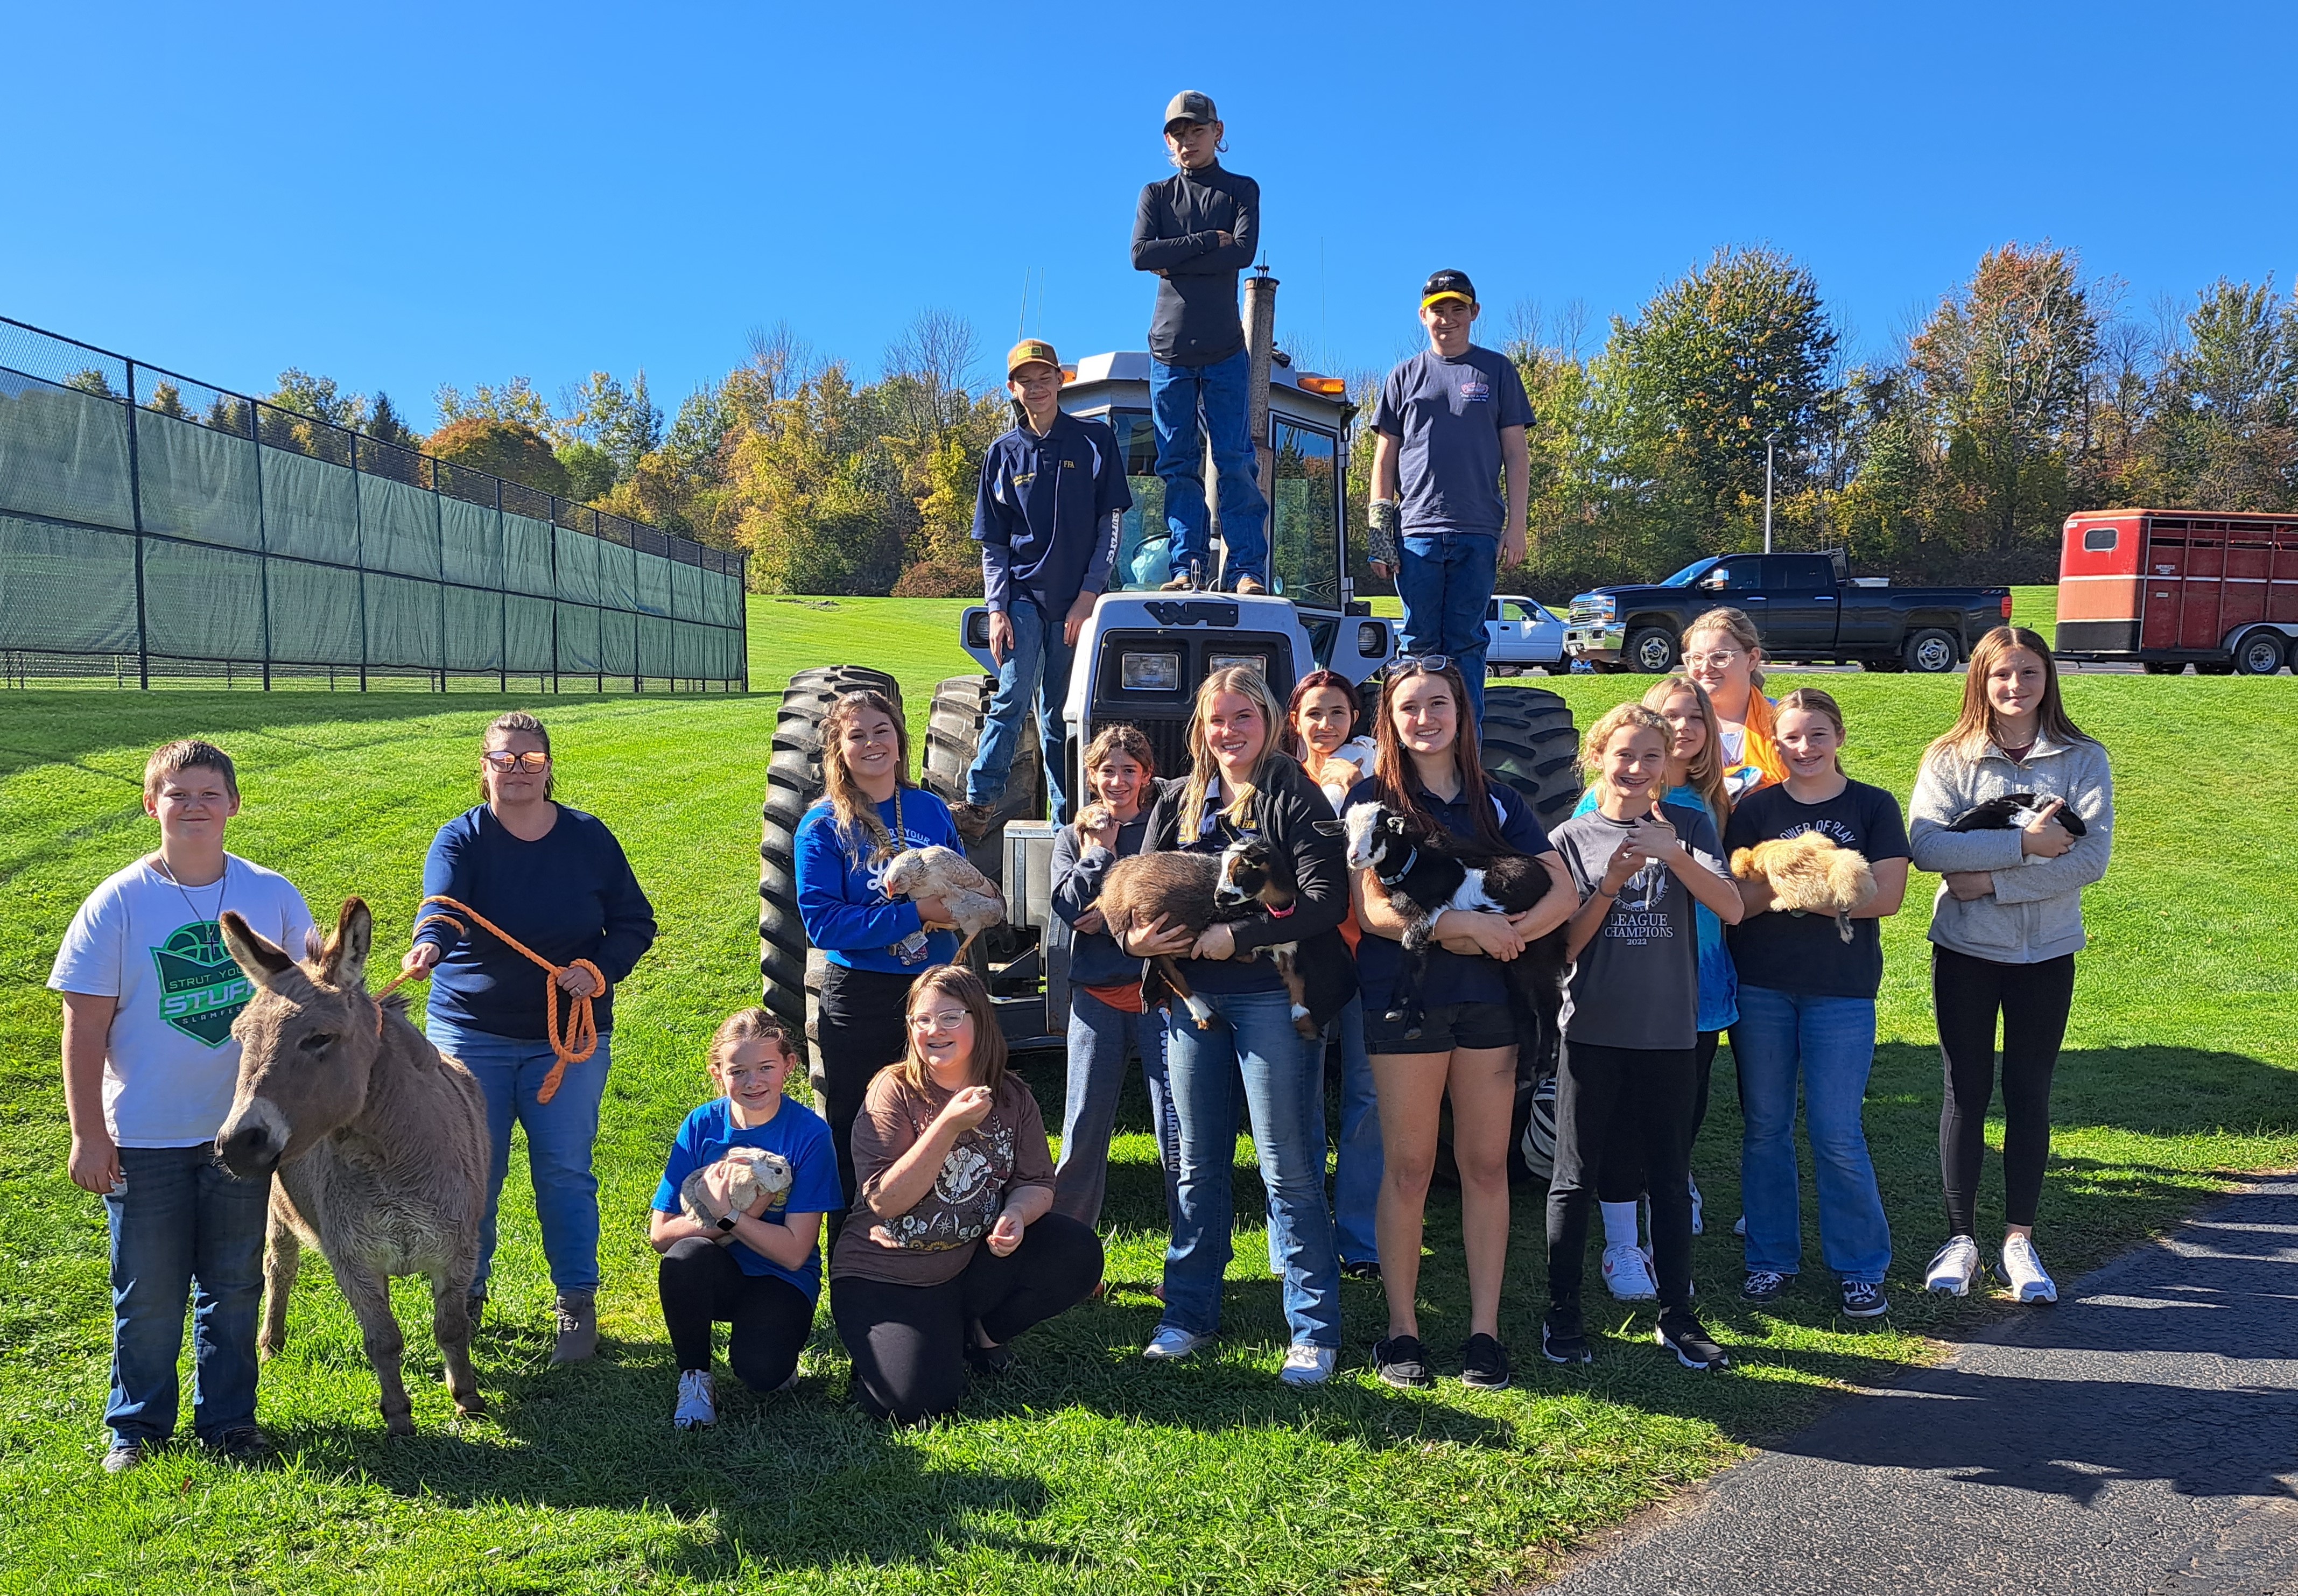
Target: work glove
(1380,544)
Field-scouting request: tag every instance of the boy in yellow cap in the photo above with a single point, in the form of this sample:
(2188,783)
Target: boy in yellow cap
(1052,501)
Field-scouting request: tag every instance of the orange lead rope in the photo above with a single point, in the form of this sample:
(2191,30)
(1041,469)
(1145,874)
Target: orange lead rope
(581,1039)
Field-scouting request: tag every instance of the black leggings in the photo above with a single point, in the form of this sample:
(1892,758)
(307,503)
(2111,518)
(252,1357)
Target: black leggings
(860,1026)
(701,1285)
(1622,1178)
(2033,1000)
(909,1341)
(1601,1093)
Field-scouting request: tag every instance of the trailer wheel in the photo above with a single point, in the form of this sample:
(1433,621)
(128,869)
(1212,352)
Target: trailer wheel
(2259,653)
(961,708)
(2214,667)
(1528,741)
(2166,667)
(793,782)
(1652,651)
(1930,651)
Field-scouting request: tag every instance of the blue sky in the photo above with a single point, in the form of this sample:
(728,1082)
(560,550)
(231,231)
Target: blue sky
(404,196)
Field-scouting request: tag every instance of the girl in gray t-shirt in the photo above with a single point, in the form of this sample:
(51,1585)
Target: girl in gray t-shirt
(1630,1020)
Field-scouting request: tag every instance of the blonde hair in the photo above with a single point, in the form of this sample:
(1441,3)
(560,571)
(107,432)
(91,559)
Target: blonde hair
(188,753)
(752,1024)
(849,806)
(988,1054)
(1974,724)
(1735,625)
(1246,682)
(1816,700)
(1609,725)
(1704,773)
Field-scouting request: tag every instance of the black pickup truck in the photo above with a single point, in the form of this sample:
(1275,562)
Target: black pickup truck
(1805,606)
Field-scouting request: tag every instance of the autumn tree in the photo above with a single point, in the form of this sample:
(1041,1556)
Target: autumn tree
(509,449)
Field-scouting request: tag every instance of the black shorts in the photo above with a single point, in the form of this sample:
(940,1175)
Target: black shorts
(1447,1026)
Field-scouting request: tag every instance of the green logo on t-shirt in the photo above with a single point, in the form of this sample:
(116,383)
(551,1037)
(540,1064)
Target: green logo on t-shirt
(201,990)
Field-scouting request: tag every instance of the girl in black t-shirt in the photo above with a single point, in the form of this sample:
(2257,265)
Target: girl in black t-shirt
(1807,1010)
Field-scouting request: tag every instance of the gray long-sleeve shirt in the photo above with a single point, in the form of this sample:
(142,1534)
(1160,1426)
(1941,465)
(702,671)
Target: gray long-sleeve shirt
(2035,911)
(1177,230)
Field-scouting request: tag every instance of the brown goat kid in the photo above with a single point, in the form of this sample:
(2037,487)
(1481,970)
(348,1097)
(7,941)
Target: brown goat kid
(1192,891)
(379,1144)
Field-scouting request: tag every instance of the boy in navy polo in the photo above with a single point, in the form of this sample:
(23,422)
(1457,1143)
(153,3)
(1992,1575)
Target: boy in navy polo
(1052,502)
(1449,419)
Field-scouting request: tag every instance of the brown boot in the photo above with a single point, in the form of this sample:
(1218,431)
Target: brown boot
(973,819)
(1249,584)
(1178,583)
(578,1328)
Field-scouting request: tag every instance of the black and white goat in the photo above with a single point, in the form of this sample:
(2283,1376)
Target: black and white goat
(1191,891)
(1425,873)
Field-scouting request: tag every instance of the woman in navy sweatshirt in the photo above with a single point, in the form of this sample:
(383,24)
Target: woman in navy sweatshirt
(556,879)
(876,945)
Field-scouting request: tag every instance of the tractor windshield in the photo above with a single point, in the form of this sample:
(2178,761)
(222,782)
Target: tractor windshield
(1143,557)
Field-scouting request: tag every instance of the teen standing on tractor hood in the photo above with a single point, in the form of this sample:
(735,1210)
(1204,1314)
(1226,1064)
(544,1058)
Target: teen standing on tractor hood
(1052,498)
(1449,419)
(1196,230)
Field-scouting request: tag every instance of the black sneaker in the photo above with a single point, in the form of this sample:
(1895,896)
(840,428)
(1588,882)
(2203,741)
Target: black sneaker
(1401,1360)
(1682,1334)
(1764,1286)
(1359,1269)
(988,1361)
(245,1444)
(1865,1299)
(1483,1363)
(1561,1340)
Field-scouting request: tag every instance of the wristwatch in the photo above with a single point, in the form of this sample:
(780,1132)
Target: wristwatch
(726,1223)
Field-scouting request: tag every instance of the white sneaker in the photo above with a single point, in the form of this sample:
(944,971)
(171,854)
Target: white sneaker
(1698,1218)
(1627,1274)
(698,1401)
(1740,1226)
(2023,1271)
(1306,1365)
(1954,1268)
(1171,1342)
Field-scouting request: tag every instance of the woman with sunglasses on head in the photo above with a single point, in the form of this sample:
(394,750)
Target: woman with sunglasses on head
(556,879)
(1724,655)
(1241,784)
(954,1249)
(876,945)
(1427,767)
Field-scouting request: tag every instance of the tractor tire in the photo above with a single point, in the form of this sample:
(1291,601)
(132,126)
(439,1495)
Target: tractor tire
(1529,743)
(1653,651)
(1930,651)
(793,783)
(961,708)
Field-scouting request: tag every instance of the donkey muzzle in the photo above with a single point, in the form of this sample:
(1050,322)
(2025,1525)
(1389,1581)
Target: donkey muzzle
(250,1141)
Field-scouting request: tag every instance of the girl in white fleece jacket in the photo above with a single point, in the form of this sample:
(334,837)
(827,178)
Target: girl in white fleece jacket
(2004,929)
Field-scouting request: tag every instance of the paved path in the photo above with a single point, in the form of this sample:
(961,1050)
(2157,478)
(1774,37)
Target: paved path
(2142,1436)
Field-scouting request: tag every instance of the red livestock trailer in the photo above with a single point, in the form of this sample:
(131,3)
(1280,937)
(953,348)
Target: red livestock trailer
(2215,590)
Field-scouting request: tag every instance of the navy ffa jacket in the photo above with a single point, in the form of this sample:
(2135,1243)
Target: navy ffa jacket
(1175,228)
(1048,512)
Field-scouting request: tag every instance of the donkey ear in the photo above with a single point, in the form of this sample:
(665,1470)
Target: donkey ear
(263,962)
(344,963)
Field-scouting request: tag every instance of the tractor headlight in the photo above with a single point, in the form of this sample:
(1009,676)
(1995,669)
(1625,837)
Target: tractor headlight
(1251,662)
(1150,673)
(1372,639)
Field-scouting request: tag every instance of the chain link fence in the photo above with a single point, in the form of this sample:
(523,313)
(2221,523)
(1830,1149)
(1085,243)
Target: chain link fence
(157,531)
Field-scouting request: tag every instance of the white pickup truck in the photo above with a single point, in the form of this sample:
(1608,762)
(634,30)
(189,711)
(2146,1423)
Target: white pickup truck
(1522,633)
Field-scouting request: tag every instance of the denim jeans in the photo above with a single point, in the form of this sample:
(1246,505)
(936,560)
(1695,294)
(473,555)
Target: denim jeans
(559,1135)
(183,1226)
(1180,397)
(1251,1046)
(1445,579)
(1037,669)
(1357,1160)
(1099,1038)
(1830,1042)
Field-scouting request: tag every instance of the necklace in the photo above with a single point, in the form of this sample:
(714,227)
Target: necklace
(223,882)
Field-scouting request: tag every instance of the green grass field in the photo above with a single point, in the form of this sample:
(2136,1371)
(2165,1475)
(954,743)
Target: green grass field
(1087,1471)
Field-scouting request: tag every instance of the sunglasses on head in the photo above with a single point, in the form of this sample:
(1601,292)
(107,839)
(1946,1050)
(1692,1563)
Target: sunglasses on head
(504,760)
(1430,664)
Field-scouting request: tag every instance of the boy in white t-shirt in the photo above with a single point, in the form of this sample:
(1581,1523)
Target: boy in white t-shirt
(150,1065)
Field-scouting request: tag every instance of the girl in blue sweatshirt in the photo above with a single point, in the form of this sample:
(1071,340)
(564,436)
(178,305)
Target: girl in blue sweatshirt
(876,943)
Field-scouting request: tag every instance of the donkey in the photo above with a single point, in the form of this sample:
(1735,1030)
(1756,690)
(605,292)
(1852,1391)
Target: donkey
(379,1141)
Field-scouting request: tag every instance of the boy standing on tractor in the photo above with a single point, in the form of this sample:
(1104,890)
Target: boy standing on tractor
(1196,230)
(1449,419)
(1052,501)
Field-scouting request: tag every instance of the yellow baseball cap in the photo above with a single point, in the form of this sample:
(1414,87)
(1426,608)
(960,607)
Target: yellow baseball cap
(1030,352)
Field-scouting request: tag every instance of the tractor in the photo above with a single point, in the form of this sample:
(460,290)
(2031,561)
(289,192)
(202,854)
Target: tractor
(1140,659)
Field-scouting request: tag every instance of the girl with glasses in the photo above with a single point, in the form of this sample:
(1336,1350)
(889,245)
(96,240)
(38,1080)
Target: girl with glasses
(556,879)
(954,1249)
(1724,654)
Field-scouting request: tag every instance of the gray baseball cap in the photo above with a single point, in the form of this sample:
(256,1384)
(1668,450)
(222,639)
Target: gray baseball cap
(1190,105)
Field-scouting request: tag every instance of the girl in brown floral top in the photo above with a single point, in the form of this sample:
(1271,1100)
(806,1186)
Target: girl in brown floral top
(950,1252)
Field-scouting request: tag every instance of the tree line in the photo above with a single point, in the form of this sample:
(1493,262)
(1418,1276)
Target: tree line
(2027,392)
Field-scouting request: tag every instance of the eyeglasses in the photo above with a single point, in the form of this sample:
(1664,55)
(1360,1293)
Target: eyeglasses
(1720,658)
(940,1020)
(505,761)
(1430,663)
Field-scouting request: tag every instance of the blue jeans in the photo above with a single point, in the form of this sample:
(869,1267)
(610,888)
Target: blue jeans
(1179,397)
(1357,1160)
(1830,1042)
(559,1135)
(1100,1037)
(1251,1046)
(1445,579)
(1037,668)
(185,1226)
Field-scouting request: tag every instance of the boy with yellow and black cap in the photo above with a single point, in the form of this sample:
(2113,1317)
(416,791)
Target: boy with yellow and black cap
(1196,230)
(1449,420)
(1052,500)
